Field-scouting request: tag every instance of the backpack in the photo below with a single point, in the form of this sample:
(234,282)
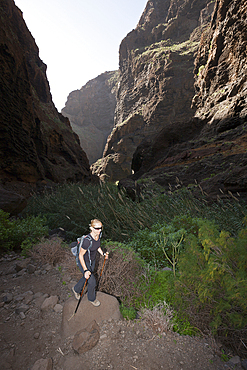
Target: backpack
(76,247)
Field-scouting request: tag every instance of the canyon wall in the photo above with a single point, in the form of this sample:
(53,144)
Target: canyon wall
(156,83)
(37,144)
(91,113)
(209,150)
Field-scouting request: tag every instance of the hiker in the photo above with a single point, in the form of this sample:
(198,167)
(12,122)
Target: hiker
(87,256)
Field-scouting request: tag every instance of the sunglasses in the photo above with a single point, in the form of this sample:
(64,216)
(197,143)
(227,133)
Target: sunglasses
(98,228)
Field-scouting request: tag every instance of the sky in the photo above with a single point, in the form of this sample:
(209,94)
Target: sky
(78,39)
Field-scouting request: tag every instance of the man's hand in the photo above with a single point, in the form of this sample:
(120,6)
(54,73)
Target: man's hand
(106,255)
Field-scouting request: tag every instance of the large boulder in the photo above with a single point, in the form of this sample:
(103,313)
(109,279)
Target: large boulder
(86,313)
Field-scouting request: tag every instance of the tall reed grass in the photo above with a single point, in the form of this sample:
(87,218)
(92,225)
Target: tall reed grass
(72,206)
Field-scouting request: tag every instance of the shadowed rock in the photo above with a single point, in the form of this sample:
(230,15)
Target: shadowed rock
(43,364)
(38,147)
(87,338)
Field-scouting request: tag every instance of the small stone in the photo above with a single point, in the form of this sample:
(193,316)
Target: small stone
(37,272)
(22,315)
(49,303)
(39,300)
(12,352)
(36,336)
(19,298)
(235,360)
(22,308)
(48,267)
(31,268)
(58,308)
(22,264)
(28,297)
(11,270)
(37,295)
(167,269)
(8,298)
(21,272)
(43,364)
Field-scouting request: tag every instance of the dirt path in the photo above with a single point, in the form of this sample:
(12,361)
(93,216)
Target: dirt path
(29,333)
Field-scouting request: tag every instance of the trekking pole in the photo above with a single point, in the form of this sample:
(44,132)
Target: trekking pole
(101,272)
(79,300)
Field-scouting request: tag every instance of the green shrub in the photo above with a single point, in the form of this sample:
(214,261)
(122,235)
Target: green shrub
(212,285)
(156,291)
(21,233)
(6,230)
(128,313)
(156,245)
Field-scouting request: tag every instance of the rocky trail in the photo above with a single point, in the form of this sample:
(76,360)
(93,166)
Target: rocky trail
(33,297)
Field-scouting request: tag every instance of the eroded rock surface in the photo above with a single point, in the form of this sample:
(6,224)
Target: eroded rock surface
(91,113)
(210,148)
(37,143)
(156,82)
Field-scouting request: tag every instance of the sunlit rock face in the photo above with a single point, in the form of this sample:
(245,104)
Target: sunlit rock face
(37,144)
(181,101)
(208,151)
(156,83)
(91,113)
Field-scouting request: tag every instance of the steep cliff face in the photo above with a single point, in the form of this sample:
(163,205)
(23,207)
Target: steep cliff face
(37,143)
(211,148)
(156,82)
(91,113)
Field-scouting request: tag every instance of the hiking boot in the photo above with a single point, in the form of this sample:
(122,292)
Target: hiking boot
(95,303)
(77,295)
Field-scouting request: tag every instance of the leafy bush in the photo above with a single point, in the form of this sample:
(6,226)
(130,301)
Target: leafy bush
(128,313)
(156,291)
(21,233)
(6,230)
(212,285)
(157,245)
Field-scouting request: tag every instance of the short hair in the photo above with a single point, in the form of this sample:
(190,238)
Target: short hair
(95,221)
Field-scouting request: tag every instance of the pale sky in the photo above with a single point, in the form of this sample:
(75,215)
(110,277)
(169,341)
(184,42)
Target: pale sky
(78,39)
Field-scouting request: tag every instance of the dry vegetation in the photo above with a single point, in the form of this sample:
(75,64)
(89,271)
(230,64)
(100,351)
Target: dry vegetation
(49,251)
(159,319)
(122,274)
